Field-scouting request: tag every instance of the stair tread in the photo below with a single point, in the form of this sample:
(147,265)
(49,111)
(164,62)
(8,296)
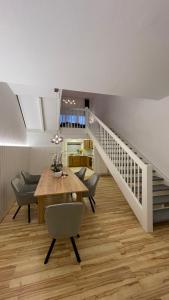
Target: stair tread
(160,215)
(162,199)
(160,187)
(157,178)
(160,209)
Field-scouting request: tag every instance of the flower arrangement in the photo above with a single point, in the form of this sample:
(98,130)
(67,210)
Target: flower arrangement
(57,165)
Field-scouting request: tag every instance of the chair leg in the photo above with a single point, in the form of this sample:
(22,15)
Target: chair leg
(16,212)
(49,251)
(29,213)
(93,199)
(75,249)
(92,206)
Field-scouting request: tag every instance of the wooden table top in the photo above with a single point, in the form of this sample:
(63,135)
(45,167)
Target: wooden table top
(50,185)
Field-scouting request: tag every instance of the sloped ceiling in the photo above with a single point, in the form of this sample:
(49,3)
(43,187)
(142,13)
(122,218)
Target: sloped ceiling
(40,106)
(40,113)
(118,47)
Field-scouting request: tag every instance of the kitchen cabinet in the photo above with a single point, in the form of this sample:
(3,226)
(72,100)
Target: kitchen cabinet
(83,161)
(80,161)
(74,161)
(70,161)
(88,144)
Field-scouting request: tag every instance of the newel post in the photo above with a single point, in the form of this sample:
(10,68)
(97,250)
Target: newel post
(147,198)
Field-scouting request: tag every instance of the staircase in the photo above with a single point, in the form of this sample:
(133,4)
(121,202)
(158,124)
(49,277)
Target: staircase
(160,194)
(144,190)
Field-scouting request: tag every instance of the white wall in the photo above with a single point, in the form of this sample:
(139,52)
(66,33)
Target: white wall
(144,123)
(12,129)
(41,158)
(38,138)
(13,158)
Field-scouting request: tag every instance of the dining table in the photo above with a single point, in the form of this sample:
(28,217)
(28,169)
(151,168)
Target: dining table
(49,186)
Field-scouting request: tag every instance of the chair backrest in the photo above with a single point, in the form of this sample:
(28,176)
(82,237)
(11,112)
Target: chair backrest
(26,176)
(64,220)
(91,183)
(81,173)
(17,185)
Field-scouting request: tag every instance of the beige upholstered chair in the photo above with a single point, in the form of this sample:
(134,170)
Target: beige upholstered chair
(81,173)
(91,184)
(24,195)
(29,178)
(63,221)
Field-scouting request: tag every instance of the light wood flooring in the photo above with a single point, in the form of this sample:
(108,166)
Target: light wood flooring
(119,260)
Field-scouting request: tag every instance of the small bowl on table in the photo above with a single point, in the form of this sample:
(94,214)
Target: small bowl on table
(58,174)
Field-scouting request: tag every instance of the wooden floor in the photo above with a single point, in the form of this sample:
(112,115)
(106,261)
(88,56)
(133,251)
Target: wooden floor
(119,260)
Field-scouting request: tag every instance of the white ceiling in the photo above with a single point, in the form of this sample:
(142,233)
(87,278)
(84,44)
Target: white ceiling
(40,114)
(116,47)
(33,90)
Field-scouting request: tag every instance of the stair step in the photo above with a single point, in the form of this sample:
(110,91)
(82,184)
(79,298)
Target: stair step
(125,165)
(160,215)
(161,199)
(160,189)
(158,182)
(157,178)
(136,171)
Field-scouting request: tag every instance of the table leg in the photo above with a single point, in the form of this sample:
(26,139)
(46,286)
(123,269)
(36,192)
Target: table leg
(79,197)
(41,210)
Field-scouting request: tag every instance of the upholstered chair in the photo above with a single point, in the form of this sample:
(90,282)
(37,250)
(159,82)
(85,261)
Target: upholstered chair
(91,184)
(81,173)
(24,195)
(63,221)
(30,179)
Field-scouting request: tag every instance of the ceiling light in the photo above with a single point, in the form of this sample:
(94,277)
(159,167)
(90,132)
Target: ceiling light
(57,139)
(69,101)
(60,139)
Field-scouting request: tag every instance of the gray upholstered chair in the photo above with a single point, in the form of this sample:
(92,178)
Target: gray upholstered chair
(63,221)
(24,195)
(30,179)
(91,184)
(81,173)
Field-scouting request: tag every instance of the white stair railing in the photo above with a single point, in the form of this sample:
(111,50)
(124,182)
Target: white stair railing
(133,176)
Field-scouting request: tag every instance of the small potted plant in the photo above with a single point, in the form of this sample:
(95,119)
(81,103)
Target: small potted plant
(57,166)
